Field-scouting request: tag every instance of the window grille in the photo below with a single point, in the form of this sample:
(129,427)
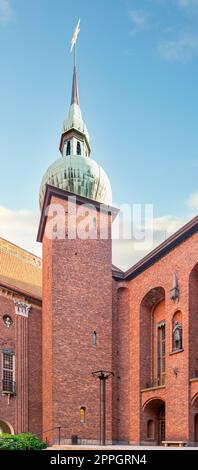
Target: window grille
(8,372)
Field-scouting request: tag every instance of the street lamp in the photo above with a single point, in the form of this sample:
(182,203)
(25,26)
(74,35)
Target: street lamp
(103,376)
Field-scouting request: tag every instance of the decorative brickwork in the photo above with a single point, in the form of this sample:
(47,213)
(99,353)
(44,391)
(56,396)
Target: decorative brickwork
(21,410)
(146,290)
(153,395)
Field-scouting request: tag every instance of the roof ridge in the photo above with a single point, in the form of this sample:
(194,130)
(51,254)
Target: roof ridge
(16,250)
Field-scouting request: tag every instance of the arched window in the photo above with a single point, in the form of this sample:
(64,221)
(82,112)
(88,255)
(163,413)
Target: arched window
(94,336)
(82,414)
(78,148)
(68,151)
(150,429)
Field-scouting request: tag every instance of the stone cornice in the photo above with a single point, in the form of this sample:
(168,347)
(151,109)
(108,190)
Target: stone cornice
(62,194)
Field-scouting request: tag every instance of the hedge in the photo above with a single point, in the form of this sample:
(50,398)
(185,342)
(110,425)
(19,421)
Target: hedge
(24,441)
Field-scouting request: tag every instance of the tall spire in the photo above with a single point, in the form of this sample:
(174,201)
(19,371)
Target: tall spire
(74,98)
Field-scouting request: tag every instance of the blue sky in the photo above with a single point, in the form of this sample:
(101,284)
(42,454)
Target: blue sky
(137,68)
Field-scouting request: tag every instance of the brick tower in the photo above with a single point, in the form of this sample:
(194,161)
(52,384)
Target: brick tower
(77,285)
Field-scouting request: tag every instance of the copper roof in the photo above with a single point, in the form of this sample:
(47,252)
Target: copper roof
(20,270)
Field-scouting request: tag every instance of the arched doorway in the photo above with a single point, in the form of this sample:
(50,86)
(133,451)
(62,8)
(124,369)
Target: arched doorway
(196,429)
(154,422)
(6,428)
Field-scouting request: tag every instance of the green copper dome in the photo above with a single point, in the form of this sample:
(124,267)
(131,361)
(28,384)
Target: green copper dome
(79,175)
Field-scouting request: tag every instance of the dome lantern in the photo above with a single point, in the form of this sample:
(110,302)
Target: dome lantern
(74,137)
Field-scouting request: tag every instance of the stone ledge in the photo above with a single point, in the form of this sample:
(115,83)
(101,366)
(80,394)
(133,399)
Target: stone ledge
(157,387)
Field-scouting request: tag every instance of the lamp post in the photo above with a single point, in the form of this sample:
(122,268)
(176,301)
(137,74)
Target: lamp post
(103,376)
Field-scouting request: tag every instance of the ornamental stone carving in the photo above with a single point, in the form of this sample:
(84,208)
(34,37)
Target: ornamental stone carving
(22,308)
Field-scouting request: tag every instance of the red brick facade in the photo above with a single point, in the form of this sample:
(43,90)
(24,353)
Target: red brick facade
(22,410)
(77,301)
(149,304)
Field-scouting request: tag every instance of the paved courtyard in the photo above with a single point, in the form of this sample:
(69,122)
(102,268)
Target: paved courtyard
(116,447)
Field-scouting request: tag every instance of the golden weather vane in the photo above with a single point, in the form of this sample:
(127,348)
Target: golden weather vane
(74,39)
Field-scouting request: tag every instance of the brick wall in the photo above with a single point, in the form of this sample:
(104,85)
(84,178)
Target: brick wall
(7,341)
(121,365)
(35,371)
(77,301)
(179,366)
(22,411)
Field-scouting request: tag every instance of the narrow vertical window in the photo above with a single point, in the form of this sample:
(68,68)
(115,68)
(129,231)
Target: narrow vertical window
(94,223)
(68,151)
(161,354)
(78,148)
(8,371)
(82,414)
(94,336)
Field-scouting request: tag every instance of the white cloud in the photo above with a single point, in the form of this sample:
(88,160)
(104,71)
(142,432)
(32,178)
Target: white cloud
(127,252)
(168,224)
(192,201)
(177,41)
(139,20)
(5,11)
(180,49)
(20,227)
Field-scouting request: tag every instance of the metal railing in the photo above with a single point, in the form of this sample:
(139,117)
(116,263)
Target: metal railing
(47,431)
(157,382)
(59,435)
(195,374)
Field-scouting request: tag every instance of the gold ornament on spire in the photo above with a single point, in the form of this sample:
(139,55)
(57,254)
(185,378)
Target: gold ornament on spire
(75,35)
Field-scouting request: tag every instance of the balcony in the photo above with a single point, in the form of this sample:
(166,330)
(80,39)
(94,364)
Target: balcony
(195,374)
(8,387)
(153,387)
(155,383)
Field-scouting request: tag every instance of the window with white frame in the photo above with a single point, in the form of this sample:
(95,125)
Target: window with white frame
(8,371)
